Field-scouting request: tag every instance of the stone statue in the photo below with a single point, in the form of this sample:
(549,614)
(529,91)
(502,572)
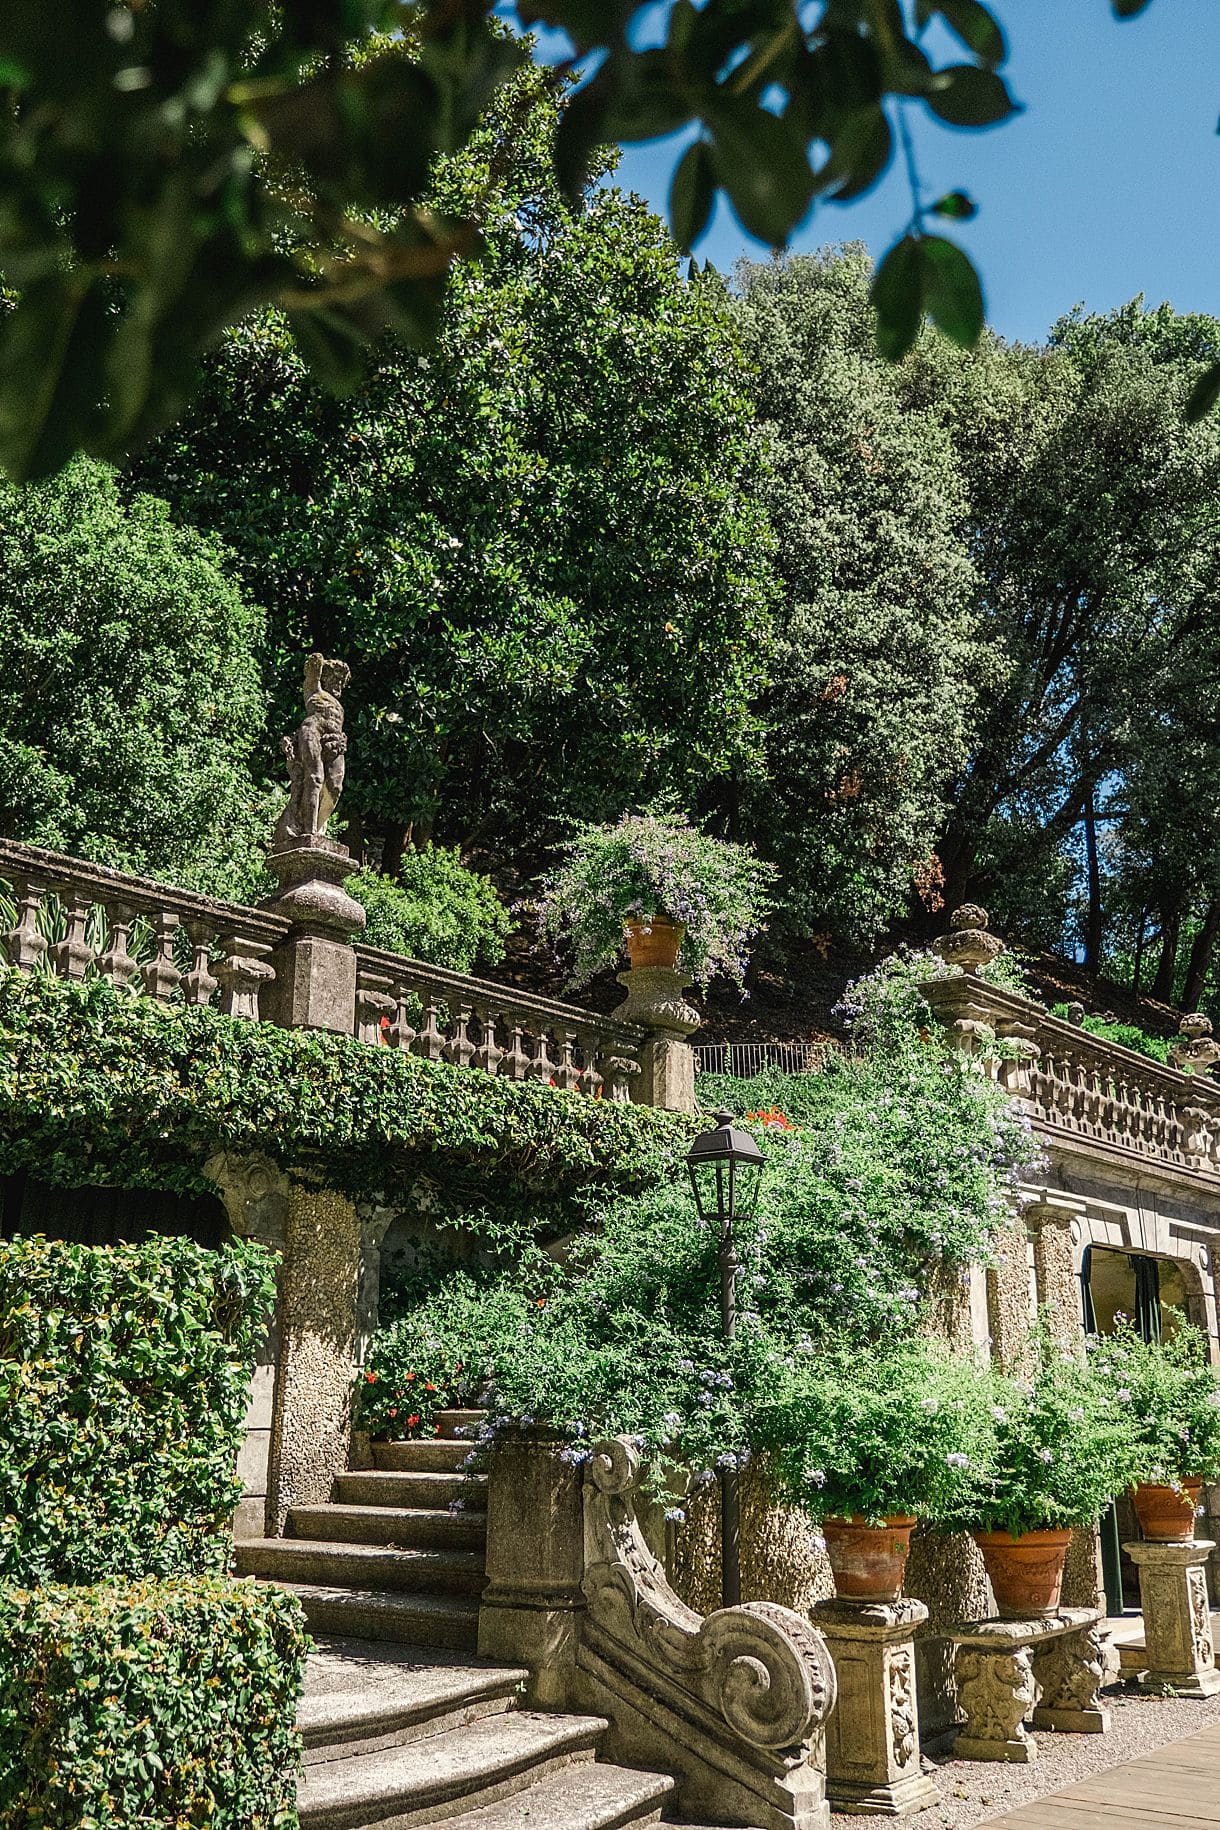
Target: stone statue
(315,756)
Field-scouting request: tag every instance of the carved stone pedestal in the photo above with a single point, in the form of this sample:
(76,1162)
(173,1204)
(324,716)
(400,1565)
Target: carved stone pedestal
(1008,1670)
(530,1612)
(1177,1617)
(872,1738)
(656,1002)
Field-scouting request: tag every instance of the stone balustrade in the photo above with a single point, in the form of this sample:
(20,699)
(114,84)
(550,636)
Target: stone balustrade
(1081,1088)
(75,920)
(446,1016)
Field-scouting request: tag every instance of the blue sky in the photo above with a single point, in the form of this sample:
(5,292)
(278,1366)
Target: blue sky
(1107,185)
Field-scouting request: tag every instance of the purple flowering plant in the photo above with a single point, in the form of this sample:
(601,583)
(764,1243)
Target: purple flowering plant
(649,865)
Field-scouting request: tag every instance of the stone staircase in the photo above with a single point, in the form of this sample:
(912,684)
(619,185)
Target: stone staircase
(402,1724)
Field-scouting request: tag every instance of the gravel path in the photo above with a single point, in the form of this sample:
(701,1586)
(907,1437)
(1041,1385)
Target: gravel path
(975,1791)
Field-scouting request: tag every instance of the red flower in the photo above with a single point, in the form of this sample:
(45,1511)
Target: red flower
(370,1378)
(410,1378)
(394,1412)
(412,1420)
(542,1302)
(429,1387)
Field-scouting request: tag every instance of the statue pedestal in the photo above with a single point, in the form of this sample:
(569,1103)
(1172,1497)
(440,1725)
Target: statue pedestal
(655,1001)
(1177,1617)
(315,968)
(1006,1667)
(872,1736)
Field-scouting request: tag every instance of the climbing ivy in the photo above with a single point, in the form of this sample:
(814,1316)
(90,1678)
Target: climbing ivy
(101,1086)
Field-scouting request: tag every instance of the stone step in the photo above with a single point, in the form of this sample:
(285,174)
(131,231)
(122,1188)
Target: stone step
(381,1614)
(433,1455)
(385,1487)
(576,1798)
(368,1566)
(428,1781)
(458,1423)
(417,1529)
(362,1696)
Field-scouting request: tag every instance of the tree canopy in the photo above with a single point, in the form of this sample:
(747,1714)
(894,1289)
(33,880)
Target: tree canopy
(167,169)
(540,546)
(131,701)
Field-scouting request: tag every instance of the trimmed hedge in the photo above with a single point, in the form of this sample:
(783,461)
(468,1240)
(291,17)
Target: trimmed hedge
(97,1086)
(124,1383)
(151,1704)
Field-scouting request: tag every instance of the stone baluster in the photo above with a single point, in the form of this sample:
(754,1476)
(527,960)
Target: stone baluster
(567,1074)
(590,1080)
(73,956)
(459,1049)
(542,1067)
(374,1000)
(515,1063)
(117,964)
(428,1040)
(199,983)
(401,1034)
(488,1054)
(617,1070)
(24,943)
(160,976)
(244,970)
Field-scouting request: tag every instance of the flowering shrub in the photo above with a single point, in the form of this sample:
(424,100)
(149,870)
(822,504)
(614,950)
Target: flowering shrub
(885,1008)
(442,1354)
(649,865)
(1171,1397)
(850,1431)
(1063,1448)
(771,1119)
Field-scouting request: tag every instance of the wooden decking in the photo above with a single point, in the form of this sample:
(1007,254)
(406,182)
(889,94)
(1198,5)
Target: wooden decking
(1176,1788)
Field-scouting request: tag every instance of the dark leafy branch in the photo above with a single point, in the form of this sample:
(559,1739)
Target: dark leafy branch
(167,168)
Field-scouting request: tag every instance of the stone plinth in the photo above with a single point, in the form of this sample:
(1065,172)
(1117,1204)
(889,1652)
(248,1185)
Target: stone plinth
(1177,1616)
(872,1736)
(1011,1670)
(315,967)
(531,1610)
(656,1002)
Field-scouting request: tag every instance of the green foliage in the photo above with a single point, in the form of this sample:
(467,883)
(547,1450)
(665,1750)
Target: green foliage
(1127,1035)
(1063,1448)
(877,1433)
(1170,1394)
(444,1351)
(124,1383)
(653,864)
(131,701)
(539,546)
(434,910)
(100,1086)
(159,1703)
(238,145)
(878,660)
(886,1186)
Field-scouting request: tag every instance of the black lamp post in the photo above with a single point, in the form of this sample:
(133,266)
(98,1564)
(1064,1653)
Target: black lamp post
(725,1167)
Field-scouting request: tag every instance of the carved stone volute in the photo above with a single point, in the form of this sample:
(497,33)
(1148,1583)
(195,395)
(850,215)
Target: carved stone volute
(744,1692)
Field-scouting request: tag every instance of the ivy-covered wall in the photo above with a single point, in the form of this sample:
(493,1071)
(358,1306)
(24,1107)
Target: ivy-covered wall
(99,1086)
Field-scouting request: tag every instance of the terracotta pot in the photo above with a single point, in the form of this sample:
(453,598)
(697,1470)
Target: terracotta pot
(1026,1571)
(1167,1514)
(868,1562)
(655,942)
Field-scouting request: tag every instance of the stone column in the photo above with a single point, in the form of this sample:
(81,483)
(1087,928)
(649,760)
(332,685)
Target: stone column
(531,1610)
(872,1736)
(1177,1617)
(656,1003)
(311,1419)
(315,968)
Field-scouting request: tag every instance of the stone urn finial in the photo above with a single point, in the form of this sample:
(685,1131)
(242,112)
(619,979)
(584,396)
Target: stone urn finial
(1194,1048)
(968,943)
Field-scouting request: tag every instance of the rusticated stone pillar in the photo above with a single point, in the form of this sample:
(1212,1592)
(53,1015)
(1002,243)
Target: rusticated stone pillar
(311,1418)
(530,1612)
(1177,1617)
(872,1736)
(656,1003)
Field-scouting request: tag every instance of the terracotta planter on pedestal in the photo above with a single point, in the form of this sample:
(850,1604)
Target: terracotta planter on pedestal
(654,943)
(1026,1571)
(868,1562)
(1167,1514)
